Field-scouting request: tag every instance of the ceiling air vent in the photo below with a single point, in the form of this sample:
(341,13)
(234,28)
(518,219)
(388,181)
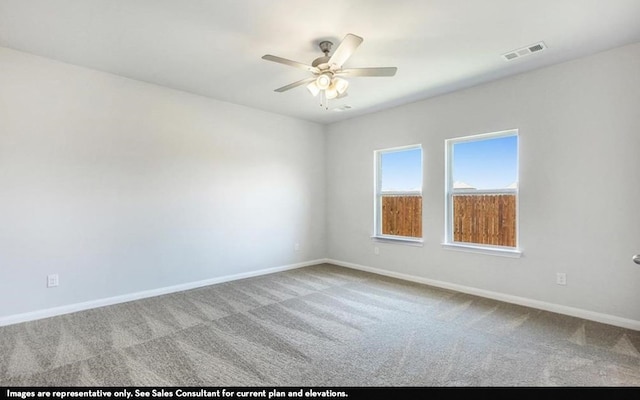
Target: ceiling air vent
(525,51)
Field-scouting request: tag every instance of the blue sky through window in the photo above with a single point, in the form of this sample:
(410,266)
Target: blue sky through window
(401,170)
(487,163)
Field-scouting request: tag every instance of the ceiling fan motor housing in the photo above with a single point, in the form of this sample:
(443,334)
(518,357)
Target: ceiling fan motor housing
(325,46)
(321,62)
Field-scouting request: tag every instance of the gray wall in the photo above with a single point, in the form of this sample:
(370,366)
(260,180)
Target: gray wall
(579,126)
(121,186)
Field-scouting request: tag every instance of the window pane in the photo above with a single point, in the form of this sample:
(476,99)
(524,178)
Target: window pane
(402,216)
(490,164)
(401,170)
(485,219)
(486,164)
(399,199)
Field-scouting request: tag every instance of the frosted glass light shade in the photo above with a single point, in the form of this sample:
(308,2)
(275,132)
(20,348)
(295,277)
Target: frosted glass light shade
(323,82)
(313,88)
(340,85)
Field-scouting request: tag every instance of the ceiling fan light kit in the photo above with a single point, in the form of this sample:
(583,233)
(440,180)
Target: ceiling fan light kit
(327,70)
(332,87)
(323,81)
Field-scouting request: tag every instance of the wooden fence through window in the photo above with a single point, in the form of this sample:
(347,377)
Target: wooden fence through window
(402,216)
(477,218)
(485,219)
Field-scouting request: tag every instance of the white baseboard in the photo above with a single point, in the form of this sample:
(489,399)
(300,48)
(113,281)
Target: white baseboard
(67,309)
(523,301)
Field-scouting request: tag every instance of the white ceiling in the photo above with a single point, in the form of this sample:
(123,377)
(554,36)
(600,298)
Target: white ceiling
(214,47)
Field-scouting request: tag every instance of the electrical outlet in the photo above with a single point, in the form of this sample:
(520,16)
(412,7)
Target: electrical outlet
(296,247)
(376,251)
(52,280)
(561,278)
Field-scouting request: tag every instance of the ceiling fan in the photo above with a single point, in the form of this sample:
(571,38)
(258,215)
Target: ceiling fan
(327,80)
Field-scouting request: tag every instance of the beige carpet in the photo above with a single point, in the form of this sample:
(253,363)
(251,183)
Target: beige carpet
(318,326)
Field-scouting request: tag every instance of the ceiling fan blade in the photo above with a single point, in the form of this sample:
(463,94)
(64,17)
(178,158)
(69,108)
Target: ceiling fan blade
(379,71)
(296,64)
(295,84)
(346,48)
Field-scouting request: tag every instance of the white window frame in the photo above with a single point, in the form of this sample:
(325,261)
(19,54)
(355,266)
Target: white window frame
(378,193)
(449,243)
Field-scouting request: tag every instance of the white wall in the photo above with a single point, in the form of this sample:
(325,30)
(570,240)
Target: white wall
(121,186)
(579,126)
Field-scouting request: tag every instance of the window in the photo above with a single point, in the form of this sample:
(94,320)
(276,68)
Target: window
(482,192)
(398,193)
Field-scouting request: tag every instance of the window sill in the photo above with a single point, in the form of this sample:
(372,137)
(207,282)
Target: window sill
(398,240)
(493,251)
